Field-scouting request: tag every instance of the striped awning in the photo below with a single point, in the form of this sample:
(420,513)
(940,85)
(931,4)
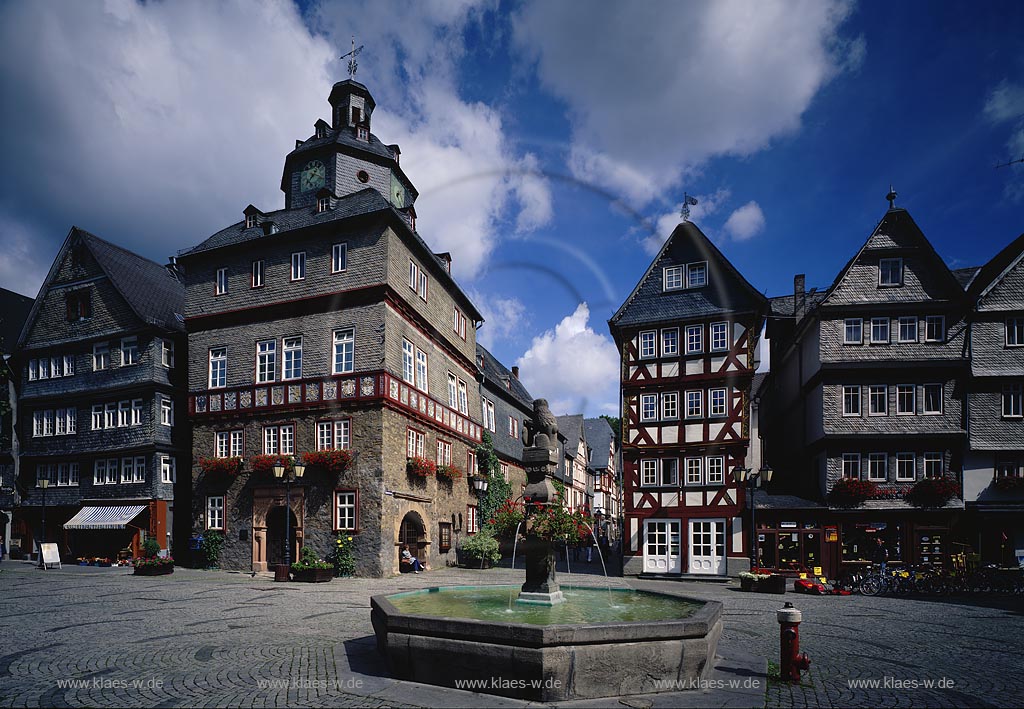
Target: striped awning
(107,517)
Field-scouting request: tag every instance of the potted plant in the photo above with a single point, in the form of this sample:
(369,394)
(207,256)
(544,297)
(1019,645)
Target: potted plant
(311,569)
(851,492)
(932,492)
(264,464)
(210,547)
(480,550)
(762,582)
(343,556)
(221,467)
(420,467)
(449,472)
(335,462)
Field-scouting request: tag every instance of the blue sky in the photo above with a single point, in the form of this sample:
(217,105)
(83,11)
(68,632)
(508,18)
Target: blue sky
(551,142)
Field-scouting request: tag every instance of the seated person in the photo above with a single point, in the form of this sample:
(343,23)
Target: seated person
(408,558)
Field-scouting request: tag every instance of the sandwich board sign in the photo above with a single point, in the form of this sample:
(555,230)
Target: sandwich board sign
(51,556)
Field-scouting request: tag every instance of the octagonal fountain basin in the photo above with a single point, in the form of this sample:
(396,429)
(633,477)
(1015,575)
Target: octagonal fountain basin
(599,643)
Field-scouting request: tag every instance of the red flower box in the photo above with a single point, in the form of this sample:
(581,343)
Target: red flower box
(229,467)
(449,472)
(1008,484)
(264,464)
(933,492)
(333,461)
(850,492)
(421,467)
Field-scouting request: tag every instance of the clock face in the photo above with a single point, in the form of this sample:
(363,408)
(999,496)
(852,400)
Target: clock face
(312,176)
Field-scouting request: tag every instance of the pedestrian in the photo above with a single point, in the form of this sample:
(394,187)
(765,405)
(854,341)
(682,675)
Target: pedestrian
(408,558)
(880,554)
(3,547)
(604,545)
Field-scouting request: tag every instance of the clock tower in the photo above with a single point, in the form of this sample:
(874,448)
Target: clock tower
(344,157)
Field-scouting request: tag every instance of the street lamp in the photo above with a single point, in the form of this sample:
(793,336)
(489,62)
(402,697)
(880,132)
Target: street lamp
(480,484)
(43,484)
(279,472)
(745,476)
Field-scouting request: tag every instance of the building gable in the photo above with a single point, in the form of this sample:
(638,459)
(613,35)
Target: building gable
(999,284)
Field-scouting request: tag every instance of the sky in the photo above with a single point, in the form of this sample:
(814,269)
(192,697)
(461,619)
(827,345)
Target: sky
(551,142)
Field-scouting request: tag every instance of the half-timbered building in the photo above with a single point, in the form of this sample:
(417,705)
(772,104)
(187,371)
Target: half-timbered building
(604,471)
(688,336)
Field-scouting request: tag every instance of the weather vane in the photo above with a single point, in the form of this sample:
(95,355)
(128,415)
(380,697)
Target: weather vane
(688,202)
(352,63)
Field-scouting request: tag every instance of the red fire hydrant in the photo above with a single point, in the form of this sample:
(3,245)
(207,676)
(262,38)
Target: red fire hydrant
(791,660)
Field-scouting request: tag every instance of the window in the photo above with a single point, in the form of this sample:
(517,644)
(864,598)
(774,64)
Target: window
(417,280)
(472,519)
(78,306)
(932,398)
(345,510)
(123,412)
(878,400)
(250,221)
(471,465)
(1006,469)
(853,331)
(1013,400)
(444,452)
(851,465)
(110,415)
(693,471)
(218,367)
(444,537)
(488,414)
(228,444)
(61,421)
(672,278)
(168,474)
(908,328)
(719,336)
(69,365)
(694,404)
(694,339)
(414,443)
(37,424)
(716,470)
(459,323)
(670,342)
(670,405)
(421,370)
(139,475)
(647,345)
(97,417)
(67,474)
(298,266)
(933,465)
(129,351)
(266,361)
(696,275)
(670,472)
(877,466)
(344,350)
(464,399)
(257,274)
(279,440)
(215,512)
(716,402)
(292,347)
(935,328)
(32,369)
(503,467)
(408,362)
(513,427)
(166,411)
(1014,332)
(100,356)
(648,407)
(136,412)
(333,435)
(880,330)
(851,400)
(221,287)
(648,472)
(339,258)
(453,391)
(167,353)
(906,399)
(43,368)
(99,472)
(890,272)
(905,467)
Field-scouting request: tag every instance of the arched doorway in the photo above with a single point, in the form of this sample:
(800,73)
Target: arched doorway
(414,533)
(276,534)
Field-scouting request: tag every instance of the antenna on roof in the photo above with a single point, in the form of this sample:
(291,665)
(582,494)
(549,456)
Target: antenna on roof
(353,65)
(1011,162)
(688,202)
(891,197)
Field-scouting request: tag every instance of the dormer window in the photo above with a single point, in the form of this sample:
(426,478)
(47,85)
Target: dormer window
(357,115)
(673,278)
(890,272)
(323,204)
(79,306)
(696,274)
(321,132)
(362,133)
(250,221)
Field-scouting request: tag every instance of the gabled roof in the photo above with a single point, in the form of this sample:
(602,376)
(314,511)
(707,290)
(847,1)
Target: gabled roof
(494,371)
(571,426)
(649,303)
(996,269)
(151,291)
(14,311)
(599,435)
(964,276)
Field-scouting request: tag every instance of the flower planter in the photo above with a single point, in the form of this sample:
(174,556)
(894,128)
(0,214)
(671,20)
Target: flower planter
(773,584)
(154,570)
(313,575)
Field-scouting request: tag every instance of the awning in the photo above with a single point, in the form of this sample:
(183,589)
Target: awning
(107,517)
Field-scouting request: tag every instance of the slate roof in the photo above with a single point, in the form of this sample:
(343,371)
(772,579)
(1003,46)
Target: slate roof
(965,275)
(14,310)
(496,372)
(764,501)
(782,305)
(571,426)
(756,383)
(599,437)
(993,271)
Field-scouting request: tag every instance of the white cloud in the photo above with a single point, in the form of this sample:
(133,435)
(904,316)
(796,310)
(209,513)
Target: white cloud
(22,266)
(504,318)
(653,90)
(745,222)
(573,367)
(1005,102)
(707,205)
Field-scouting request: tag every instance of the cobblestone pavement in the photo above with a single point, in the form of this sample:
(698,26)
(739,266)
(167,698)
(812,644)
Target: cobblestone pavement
(211,638)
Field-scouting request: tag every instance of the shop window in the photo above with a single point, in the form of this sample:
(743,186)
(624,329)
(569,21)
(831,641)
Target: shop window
(444,537)
(858,541)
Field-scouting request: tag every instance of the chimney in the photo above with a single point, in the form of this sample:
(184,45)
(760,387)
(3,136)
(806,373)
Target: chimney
(515,371)
(799,298)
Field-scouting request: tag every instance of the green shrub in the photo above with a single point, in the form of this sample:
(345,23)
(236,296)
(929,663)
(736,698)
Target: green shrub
(343,556)
(309,560)
(150,548)
(211,547)
(481,546)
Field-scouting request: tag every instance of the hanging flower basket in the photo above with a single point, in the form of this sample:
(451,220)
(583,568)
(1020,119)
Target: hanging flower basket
(226,467)
(932,492)
(264,464)
(851,492)
(449,472)
(421,467)
(335,462)
(1008,484)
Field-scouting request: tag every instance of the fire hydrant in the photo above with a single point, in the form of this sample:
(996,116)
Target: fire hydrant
(791,660)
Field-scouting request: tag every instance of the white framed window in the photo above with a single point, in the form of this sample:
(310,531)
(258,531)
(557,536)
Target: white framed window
(287,440)
(33,369)
(851,400)
(167,353)
(110,414)
(672,278)
(464,398)
(459,322)
(215,512)
(513,427)
(421,370)
(124,409)
(345,510)
(694,475)
(648,407)
(99,472)
(851,465)
(60,421)
(97,417)
(100,356)
(932,399)
(696,274)
(168,472)
(716,470)
(221,287)
(878,466)
(43,368)
(878,400)
(344,351)
(408,362)
(719,336)
(37,423)
(422,289)
(906,467)
(648,344)
(333,435)
(140,470)
(136,412)
(488,414)
(68,474)
(472,519)
(218,367)
(166,411)
(932,465)
(503,467)
(670,405)
(127,470)
(935,328)
(890,272)
(1013,400)
(670,472)
(417,279)
(670,342)
(1006,469)
(444,452)
(228,444)
(257,274)
(250,221)
(323,204)
(279,440)
(266,361)
(906,399)
(69,368)
(453,391)
(414,443)
(908,328)
(271,441)
(298,271)
(694,404)
(291,348)
(716,402)
(694,339)
(853,331)
(1015,332)
(879,331)
(648,473)
(339,257)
